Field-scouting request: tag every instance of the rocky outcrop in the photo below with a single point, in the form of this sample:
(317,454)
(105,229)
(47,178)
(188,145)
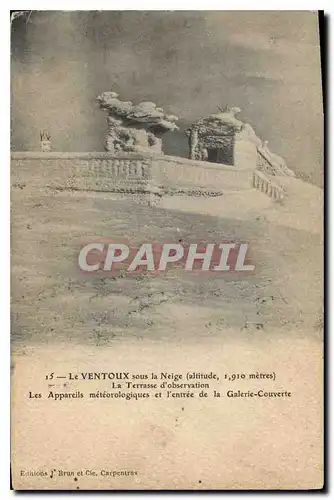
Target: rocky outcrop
(134,127)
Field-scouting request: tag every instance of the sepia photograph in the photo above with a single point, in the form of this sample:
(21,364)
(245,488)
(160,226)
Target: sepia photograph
(167,185)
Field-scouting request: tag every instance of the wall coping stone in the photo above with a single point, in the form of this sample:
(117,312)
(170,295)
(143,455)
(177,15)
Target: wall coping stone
(98,155)
(55,155)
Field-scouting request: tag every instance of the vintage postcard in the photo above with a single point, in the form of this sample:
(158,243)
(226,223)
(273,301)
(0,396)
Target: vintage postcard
(166,250)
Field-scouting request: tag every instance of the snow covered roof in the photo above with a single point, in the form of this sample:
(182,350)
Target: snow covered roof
(145,112)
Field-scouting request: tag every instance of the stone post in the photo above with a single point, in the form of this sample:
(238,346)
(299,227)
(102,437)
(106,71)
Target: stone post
(193,142)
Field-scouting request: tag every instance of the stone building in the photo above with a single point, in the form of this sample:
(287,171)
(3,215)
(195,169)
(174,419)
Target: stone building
(135,128)
(223,138)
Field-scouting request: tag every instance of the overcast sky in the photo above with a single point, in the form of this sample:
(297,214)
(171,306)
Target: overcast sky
(266,63)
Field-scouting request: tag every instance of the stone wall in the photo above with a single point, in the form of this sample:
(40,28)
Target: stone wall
(126,173)
(82,171)
(143,178)
(245,153)
(172,172)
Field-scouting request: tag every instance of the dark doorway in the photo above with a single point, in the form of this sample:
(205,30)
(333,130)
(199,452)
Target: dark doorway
(219,155)
(213,154)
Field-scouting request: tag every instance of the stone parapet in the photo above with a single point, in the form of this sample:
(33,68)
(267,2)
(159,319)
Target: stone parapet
(137,176)
(169,171)
(268,186)
(271,163)
(129,174)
